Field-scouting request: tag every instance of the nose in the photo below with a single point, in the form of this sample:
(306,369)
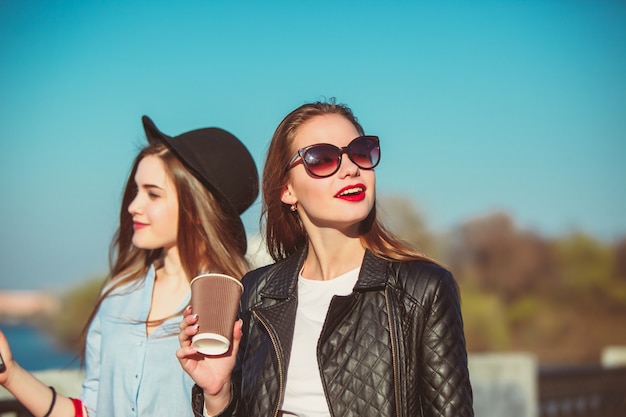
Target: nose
(134,206)
(348,168)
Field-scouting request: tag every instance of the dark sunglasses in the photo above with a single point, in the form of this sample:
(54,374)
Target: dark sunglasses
(323,159)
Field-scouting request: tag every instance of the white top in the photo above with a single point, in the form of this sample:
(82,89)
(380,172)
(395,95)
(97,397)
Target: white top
(304,395)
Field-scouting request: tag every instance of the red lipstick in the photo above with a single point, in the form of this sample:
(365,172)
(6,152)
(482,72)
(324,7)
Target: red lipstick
(139,225)
(355,192)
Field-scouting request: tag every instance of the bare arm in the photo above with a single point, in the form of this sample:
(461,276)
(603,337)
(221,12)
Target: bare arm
(30,391)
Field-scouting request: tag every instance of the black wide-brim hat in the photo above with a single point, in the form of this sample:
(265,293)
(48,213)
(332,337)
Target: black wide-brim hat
(220,162)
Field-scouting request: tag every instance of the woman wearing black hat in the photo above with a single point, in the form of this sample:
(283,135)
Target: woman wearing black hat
(350,321)
(179,218)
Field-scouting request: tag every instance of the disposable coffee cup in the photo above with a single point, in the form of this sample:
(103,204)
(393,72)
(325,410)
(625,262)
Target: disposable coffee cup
(215,299)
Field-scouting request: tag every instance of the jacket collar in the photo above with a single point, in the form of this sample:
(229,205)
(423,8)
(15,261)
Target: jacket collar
(283,277)
(373,274)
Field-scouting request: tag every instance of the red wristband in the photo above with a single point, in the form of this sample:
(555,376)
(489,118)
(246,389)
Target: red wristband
(78,407)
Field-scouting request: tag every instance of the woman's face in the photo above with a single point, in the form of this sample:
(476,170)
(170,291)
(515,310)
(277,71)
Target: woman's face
(340,201)
(155,207)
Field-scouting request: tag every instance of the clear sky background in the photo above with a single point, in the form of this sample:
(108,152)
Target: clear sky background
(480,105)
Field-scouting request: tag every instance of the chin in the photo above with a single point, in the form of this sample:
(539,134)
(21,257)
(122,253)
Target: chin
(141,244)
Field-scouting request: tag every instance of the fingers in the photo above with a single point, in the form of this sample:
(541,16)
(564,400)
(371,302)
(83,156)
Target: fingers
(188,319)
(5,350)
(188,328)
(184,337)
(237,334)
(238,329)
(186,352)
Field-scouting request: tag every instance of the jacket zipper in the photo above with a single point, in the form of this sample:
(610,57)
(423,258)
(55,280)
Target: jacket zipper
(280,365)
(393,353)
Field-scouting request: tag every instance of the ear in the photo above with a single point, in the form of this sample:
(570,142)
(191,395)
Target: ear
(287,196)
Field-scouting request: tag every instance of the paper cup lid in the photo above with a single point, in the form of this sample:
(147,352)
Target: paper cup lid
(211,343)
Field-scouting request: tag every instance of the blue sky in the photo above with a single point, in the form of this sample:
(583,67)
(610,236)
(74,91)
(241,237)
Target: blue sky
(481,106)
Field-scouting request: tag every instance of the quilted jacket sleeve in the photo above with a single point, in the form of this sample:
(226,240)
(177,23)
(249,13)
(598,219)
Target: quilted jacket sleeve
(445,383)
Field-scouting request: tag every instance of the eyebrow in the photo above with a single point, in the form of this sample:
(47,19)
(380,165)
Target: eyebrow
(149,186)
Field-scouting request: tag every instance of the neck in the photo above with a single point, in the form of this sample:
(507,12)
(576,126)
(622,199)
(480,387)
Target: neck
(171,269)
(332,254)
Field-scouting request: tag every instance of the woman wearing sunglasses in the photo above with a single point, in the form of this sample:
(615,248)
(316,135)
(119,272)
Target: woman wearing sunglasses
(350,320)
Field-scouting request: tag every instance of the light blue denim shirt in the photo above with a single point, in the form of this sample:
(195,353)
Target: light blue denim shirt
(127,372)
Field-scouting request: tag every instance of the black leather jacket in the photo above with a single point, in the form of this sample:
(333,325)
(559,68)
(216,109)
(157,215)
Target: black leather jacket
(394,347)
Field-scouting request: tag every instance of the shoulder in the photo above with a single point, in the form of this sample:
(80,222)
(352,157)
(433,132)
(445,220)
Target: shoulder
(423,269)
(122,286)
(254,277)
(283,267)
(276,281)
(255,283)
(255,273)
(422,278)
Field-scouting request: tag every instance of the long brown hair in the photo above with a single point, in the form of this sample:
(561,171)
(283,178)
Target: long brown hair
(284,233)
(205,239)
